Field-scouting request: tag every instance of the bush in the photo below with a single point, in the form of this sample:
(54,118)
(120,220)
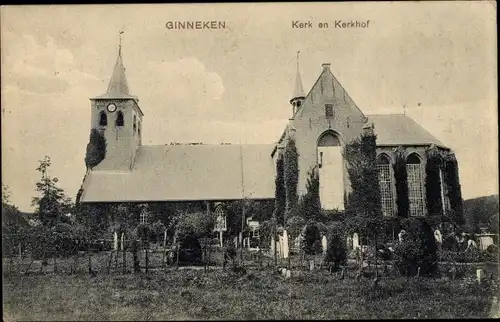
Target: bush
(189,229)
(312,239)
(336,253)
(492,249)
(418,249)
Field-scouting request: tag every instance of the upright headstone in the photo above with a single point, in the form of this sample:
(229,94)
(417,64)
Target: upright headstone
(355,241)
(115,241)
(324,244)
(123,241)
(349,242)
(279,248)
(438,236)
(285,244)
(273,245)
(165,239)
(480,275)
(311,265)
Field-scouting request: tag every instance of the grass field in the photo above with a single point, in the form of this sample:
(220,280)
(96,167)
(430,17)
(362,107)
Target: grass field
(258,294)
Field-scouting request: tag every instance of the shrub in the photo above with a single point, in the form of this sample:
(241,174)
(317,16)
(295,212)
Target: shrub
(336,253)
(189,229)
(418,249)
(492,249)
(312,239)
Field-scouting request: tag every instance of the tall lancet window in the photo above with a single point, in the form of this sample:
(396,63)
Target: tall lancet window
(415,194)
(103,119)
(385,182)
(119,119)
(135,125)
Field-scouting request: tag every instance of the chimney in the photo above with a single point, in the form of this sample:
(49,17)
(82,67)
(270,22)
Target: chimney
(325,66)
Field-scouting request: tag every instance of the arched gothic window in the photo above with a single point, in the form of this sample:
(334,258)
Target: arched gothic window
(386,186)
(135,125)
(139,128)
(103,119)
(119,119)
(329,139)
(415,194)
(220,214)
(143,217)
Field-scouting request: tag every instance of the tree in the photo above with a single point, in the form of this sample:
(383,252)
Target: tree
(310,204)
(433,183)
(454,189)
(5,194)
(52,204)
(96,149)
(336,252)
(364,206)
(401,178)
(291,168)
(280,194)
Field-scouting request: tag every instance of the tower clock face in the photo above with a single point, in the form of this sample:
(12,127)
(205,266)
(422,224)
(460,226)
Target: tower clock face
(111,107)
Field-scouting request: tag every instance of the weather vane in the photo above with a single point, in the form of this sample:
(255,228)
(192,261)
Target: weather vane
(298,52)
(120,46)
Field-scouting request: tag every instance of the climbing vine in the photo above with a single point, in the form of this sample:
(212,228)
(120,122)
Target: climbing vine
(280,197)
(291,178)
(401,177)
(452,181)
(96,149)
(433,183)
(364,206)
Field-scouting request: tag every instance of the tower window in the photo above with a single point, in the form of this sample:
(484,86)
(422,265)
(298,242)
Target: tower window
(135,126)
(299,103)
(103,119)
(139,129)
(329,110)
(119,119)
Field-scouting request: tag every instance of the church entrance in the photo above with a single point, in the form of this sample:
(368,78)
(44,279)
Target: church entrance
(331,171)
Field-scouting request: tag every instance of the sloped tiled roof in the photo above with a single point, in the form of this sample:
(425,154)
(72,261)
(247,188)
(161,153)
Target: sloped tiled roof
(399,129)
(187,172)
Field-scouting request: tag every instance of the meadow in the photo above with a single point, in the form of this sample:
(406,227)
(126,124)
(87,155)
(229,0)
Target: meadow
(258,293)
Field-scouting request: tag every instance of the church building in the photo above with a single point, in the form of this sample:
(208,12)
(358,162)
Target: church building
(322,122)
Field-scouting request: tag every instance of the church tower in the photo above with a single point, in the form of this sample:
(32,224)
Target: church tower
(298,95)
(117,116)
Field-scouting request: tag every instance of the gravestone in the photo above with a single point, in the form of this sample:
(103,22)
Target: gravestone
(288,273)
(311,265)
(285,245)
(438,236)
(480,275)
(324,244)
(165,239)
(355,241)
(115,241)
(273,245)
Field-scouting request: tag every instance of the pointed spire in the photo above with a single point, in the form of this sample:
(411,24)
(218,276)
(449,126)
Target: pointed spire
(118,85)
(298,91)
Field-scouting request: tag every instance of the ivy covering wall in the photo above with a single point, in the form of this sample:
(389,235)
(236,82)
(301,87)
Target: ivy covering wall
(96,149)
(310,204)
(280,197)
(291,164)
(452,181)
(401,180)
(364,206)
(433,183)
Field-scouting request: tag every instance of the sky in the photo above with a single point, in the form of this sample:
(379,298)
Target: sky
(437,59)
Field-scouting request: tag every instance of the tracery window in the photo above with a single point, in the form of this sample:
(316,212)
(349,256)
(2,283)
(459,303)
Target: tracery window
(386,185)
(415,194)
(143,217)
(119,119)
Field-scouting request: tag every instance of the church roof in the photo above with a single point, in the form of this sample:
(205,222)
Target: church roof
(187,172)
(399,129)
(118,85)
